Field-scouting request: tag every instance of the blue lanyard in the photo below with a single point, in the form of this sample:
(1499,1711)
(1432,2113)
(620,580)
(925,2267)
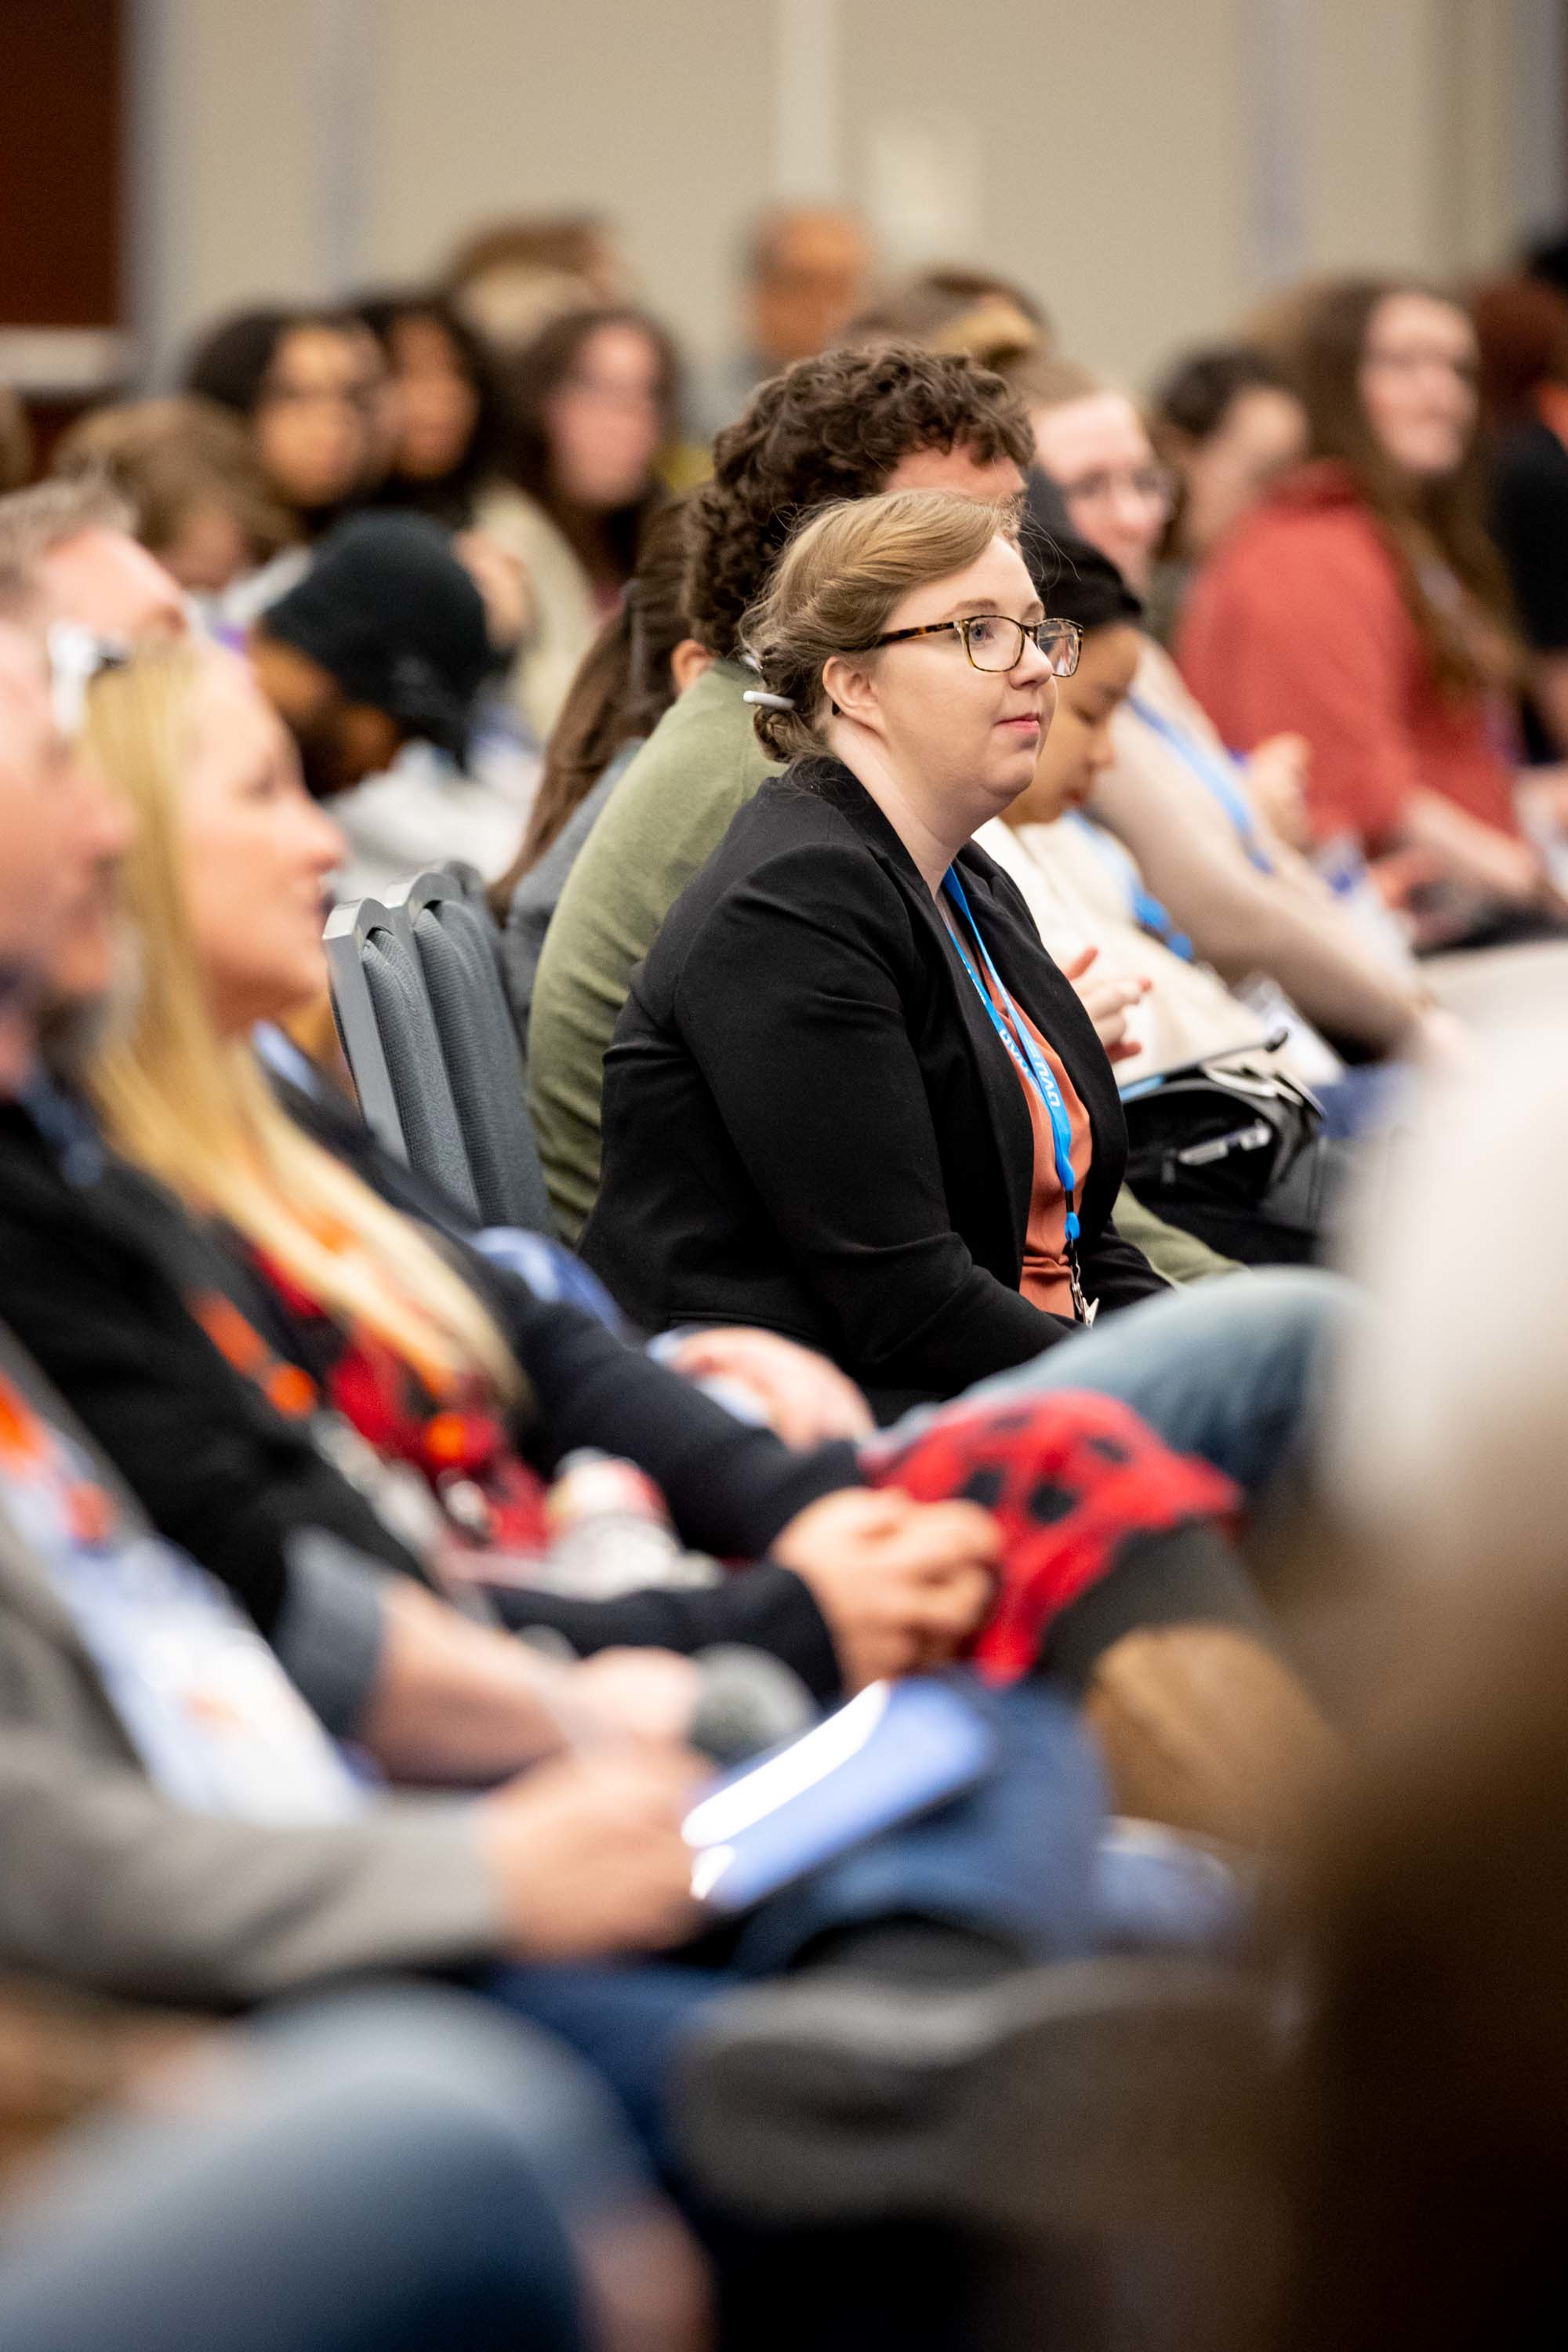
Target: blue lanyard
(1146,911)
(1217,773)
(1030,1063)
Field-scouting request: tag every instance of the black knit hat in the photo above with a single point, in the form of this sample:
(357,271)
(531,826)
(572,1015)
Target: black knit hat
(388,611)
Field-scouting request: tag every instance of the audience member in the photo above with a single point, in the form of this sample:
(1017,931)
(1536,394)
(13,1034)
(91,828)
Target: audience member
(1223,1140)
(310,387)
(1361,606)
(894,764)
(1227,423)
(73,540)
(510,278)
(1205,832)
(642,658)
(1521,329)
(189,472)
(383,641)
(595,397)
(805,270)
(843,426)
(450,422)
(1082,888)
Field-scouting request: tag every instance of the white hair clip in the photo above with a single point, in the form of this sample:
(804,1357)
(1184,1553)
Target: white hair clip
(767,701)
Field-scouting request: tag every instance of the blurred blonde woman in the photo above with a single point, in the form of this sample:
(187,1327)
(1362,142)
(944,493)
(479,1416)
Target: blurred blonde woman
(226,882)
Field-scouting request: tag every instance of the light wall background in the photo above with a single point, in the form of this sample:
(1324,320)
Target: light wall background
(1150,167)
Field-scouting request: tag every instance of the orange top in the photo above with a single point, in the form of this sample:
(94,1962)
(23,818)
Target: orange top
(1045,1281)
(1296,625)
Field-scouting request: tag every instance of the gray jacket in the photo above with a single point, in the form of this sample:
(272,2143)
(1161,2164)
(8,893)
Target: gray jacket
(105,1883)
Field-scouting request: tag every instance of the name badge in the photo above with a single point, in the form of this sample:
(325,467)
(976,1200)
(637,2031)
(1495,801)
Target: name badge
(217,1722)
(212,1716)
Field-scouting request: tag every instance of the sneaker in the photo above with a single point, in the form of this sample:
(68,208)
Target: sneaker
(1089,2095)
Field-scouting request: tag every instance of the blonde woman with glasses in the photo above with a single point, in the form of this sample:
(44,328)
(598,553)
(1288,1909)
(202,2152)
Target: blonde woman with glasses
(851,1095)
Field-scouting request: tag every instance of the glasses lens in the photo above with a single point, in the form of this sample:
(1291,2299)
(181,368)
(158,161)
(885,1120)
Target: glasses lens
(1059,641)
(994,643)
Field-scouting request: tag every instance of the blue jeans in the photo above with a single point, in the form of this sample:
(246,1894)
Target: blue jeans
(1232,1370)
(386,2172)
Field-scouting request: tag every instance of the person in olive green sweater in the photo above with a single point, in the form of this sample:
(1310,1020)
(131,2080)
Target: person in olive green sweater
(845,425)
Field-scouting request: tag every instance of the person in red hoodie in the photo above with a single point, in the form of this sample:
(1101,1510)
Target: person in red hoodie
(1362,607)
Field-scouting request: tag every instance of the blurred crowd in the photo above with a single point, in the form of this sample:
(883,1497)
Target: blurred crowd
(1026,919)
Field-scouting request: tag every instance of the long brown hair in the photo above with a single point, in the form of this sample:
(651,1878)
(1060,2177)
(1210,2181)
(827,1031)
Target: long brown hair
(1428,524)
(622,689)
(605,544)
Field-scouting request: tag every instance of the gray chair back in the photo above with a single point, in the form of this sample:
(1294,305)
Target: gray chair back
(394,1046)
(459,951)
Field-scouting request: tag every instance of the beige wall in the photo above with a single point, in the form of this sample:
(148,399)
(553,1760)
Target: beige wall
(1112,153)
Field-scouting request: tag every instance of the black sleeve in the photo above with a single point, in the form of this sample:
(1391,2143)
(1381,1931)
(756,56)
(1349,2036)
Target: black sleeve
(731,1487)
(1531,523)
(791,1003)
(215,1469)
(765,1608)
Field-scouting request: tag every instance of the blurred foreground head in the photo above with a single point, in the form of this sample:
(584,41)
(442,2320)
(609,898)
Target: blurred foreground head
(1426,2169)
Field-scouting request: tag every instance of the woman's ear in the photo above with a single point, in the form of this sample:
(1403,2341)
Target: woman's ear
(851,688)
(687,663)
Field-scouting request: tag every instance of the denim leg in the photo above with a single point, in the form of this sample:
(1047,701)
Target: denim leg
(1012,1857)
(375,2176)
(624,2020)
(1231,1370)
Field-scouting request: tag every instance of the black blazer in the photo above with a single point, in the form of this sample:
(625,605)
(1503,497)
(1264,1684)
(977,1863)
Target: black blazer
(810,1123)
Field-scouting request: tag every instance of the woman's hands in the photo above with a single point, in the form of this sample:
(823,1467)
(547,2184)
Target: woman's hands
(1277,786)
(805,1400)
(901,1584)
(1109,1000)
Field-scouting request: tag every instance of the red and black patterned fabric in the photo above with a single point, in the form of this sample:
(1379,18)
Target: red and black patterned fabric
(1072,1478)
(447,1441)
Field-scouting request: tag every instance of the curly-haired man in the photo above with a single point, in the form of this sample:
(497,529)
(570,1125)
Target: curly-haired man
(845,425)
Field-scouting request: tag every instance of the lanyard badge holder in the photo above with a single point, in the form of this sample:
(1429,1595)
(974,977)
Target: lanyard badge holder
(1034,1071)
